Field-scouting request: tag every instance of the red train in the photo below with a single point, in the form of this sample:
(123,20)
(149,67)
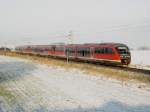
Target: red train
(115,53)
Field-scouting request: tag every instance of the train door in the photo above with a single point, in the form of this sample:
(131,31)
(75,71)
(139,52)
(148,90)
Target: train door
(51,50)
(92,52)
(70,51)
(83,52)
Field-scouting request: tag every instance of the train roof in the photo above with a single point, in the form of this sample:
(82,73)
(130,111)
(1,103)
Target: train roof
(98,44)
(73,45)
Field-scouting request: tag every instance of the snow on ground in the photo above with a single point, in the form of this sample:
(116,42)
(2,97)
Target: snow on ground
(141,58)
(29,87)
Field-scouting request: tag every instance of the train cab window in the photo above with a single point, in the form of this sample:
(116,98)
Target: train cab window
(83,52)
(123,50)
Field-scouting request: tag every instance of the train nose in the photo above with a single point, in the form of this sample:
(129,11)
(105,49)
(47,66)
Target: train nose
(125,59)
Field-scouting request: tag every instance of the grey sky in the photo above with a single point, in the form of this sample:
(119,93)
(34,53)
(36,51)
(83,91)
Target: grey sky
(48,21)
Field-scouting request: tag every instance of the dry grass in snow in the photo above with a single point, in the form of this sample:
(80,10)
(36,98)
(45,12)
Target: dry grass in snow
(26,86)
(87,68)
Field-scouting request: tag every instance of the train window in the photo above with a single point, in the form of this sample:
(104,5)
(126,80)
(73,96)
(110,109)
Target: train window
(83,52)
(46,49)
(99,50)
(59,49)
(53,48)
(37,50)
(104,50)
(108,50)
(71,51)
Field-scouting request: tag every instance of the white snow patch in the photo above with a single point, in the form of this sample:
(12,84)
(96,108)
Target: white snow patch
(141,59)
(44,88)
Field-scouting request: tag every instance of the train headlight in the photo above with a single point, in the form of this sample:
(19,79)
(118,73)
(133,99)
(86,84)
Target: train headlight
(123,56)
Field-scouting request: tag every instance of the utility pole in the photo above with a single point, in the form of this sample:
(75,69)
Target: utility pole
(67,53)
(70,37)
(70,41)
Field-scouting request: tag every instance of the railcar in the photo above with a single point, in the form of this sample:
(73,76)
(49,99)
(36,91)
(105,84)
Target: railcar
(115,53)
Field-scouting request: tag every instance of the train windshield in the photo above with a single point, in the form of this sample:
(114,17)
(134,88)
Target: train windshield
(123,50)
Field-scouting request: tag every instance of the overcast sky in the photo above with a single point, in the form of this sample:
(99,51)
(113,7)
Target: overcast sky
(49,21)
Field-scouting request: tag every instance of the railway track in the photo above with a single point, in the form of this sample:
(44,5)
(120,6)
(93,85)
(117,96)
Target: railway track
(117,67)
(123,68)
(138,70)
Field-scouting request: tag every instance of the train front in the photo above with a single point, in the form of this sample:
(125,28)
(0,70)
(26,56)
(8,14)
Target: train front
(125,55)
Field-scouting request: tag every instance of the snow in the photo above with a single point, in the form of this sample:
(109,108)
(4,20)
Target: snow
(140,58)
(40,88)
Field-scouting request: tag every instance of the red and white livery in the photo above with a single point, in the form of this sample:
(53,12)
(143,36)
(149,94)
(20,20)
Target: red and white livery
(116,53)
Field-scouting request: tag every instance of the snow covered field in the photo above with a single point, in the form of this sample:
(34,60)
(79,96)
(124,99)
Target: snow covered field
(140,58)
(29,87)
